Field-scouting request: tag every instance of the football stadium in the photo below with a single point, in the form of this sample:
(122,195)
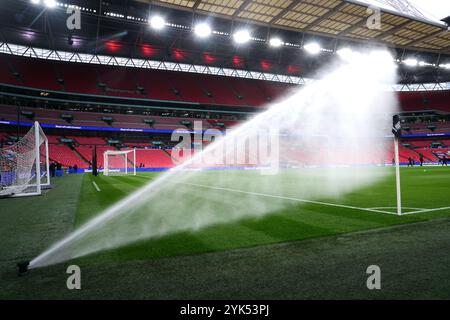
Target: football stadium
(224,150)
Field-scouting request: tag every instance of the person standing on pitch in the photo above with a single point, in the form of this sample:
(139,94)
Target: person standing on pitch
(410,163)
(52,169)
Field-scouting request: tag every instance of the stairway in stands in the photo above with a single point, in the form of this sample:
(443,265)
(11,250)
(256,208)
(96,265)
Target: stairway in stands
(86,161)
(170,156)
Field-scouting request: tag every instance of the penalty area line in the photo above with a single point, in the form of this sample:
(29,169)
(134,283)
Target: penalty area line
(96,186)
(287,198)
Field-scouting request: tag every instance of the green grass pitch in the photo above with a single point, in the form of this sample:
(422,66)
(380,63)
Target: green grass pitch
(30,225)
(297,222)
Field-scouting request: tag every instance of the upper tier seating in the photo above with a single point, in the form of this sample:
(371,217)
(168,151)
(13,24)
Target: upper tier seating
(168,85)
(124,82)
(39,74)
(251,93)
(426,100)
(6,74)
(79,78)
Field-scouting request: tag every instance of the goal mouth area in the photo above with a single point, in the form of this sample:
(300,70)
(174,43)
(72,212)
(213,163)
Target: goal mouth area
(24,166)
(5,195)
(119,162)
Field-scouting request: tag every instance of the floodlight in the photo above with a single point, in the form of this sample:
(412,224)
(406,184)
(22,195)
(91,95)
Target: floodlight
(410,62)
(202,30)
(50,3)
(35,1)
(426,64)
(312,48)
(445,66)
(275,42)
(241,36)
(157,22)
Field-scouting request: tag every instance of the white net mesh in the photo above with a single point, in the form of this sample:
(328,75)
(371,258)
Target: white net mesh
(18,164)
(119,162)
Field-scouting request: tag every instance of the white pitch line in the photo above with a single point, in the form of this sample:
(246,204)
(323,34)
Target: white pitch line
(409,208)
(427,210)
(287,198)
(96,186)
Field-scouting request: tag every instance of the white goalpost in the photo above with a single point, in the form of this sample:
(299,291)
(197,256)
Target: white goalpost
(119,162)
(25,166)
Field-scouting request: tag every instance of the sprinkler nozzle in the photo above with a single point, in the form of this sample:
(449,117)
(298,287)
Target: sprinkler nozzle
(22,268)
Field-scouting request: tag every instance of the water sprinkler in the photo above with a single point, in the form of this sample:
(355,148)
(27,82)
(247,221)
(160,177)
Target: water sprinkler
(22,268)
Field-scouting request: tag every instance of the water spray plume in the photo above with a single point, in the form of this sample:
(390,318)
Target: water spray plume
(318,142)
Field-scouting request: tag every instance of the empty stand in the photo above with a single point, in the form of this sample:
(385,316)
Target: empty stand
(189,88)
(36,73)
(425,100)
(79,77)
(66,156)
(154,158)
(6,74)
(249,90)
(169,85)
(156,84)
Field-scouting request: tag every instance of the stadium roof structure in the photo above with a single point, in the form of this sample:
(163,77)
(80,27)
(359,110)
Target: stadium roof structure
(403,7)
(120,29)
(334,18)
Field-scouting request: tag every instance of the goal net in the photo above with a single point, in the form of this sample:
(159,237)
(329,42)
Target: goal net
(24,166)
(119,162)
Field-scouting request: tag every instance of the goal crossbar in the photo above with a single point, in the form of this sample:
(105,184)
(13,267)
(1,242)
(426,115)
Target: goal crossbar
(124,165)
